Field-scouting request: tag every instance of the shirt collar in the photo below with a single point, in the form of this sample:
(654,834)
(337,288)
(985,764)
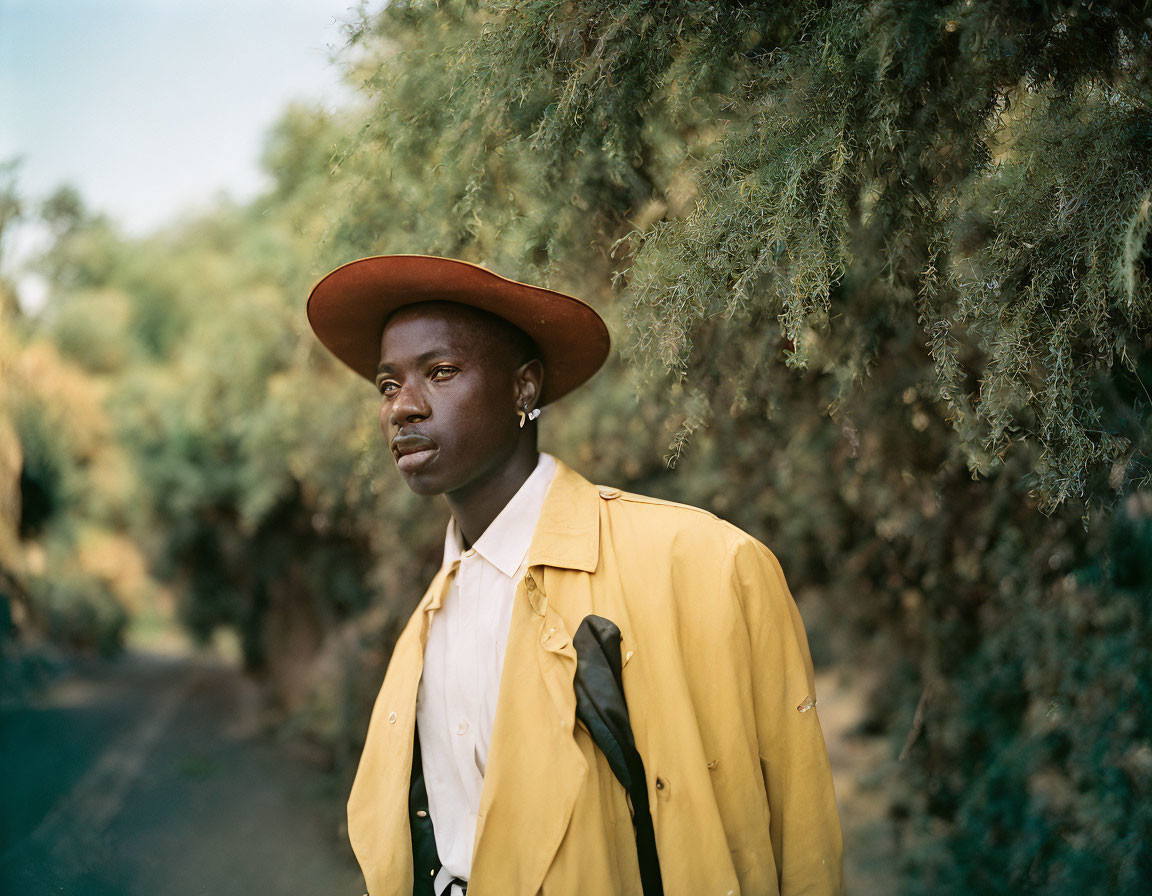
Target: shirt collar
(505,542)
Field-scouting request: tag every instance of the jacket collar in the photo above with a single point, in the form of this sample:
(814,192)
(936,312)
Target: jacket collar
(568,533)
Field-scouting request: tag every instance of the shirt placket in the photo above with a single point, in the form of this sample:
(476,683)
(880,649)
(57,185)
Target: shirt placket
(465,670)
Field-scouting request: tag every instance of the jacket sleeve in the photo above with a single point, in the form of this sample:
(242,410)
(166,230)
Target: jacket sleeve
(804,825)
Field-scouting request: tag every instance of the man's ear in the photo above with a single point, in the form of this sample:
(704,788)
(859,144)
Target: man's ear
(529,383)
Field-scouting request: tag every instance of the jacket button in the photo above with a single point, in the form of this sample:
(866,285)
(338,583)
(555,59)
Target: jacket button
(608,493)
(529,582)
(660,784)
(391,718)
(421,813)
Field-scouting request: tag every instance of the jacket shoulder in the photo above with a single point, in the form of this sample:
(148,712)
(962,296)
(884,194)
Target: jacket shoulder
(674,520)
(609,493)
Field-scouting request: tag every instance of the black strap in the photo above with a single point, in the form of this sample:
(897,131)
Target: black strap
(601,706)
(425,859)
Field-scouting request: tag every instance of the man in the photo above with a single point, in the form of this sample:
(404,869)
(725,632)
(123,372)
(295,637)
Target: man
(482,769)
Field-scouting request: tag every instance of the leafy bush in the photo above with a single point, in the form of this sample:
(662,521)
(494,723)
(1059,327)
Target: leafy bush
(79,612)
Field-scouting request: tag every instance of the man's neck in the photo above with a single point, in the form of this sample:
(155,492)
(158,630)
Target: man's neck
(475,506)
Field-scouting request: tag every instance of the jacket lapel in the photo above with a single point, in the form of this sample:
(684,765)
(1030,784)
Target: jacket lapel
(535,767)
(378,824)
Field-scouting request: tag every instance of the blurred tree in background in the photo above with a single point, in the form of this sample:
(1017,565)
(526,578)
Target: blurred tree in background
(67,570)
(879,272)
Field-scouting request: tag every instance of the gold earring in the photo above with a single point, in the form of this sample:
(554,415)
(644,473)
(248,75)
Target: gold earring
(523,417)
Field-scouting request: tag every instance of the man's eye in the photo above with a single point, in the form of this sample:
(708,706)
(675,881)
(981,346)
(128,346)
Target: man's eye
(442,372)
(387,387)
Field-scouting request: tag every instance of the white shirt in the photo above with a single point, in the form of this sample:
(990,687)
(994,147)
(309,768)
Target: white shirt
(456,701)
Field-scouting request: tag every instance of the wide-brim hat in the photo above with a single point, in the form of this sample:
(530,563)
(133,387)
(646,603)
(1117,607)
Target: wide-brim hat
(348,308)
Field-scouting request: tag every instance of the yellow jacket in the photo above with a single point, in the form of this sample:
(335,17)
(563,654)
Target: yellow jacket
(717,676)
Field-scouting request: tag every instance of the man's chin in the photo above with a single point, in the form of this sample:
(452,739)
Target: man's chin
(423,483)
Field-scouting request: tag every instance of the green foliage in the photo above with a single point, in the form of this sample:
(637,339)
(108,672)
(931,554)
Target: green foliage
(46,475)
(66,481)
(60,440)
(11,205)
(799,151)
(78,611)
(1046,729)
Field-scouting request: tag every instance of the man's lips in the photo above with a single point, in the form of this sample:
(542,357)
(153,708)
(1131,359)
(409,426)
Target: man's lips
(412,450)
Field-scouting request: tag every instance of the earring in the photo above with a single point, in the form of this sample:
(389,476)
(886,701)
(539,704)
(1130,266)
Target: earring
(523,417)
(533,414)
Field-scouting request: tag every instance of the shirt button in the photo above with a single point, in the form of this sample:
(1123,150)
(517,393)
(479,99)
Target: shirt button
(471,552)
(421,813)
(391,718)
(462,728)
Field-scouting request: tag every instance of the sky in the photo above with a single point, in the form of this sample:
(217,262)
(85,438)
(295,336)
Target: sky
(154,107)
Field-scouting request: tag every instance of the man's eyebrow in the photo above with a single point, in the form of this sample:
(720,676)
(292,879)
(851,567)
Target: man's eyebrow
(386,367)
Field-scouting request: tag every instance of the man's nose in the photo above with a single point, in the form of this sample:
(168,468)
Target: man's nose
(410,405)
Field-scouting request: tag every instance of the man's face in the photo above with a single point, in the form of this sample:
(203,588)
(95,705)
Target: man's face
(449,386)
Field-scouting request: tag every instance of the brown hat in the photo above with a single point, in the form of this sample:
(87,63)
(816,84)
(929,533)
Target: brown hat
(348,308)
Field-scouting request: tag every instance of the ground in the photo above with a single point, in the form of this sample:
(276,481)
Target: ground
(864,769)
(155,776)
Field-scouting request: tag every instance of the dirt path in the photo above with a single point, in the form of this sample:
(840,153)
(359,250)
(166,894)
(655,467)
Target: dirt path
(861,770)
(153,777)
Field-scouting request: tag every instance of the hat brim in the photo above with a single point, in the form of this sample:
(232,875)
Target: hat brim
(348,308)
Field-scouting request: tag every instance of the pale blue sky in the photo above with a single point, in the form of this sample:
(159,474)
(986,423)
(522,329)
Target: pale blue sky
(151,107)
